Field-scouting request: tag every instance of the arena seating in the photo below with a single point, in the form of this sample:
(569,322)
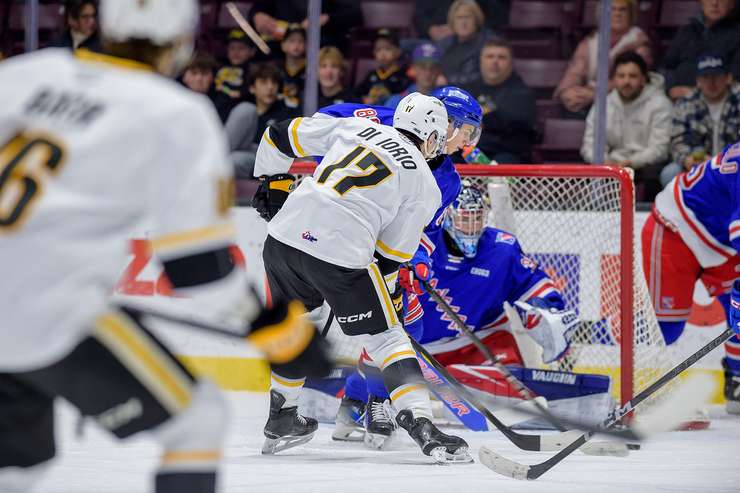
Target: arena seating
(542,34)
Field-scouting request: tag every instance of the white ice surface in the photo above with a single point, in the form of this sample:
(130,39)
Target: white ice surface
(699,461)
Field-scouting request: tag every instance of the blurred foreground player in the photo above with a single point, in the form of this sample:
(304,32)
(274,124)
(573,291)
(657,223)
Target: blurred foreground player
(694,234)
(340,238)
(80,172)
(478,268)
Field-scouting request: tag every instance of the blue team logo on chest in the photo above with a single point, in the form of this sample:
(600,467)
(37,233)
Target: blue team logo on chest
(504,237)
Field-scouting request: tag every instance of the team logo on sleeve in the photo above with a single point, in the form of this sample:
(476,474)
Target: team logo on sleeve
(306,235)
(503,237)
(528,263)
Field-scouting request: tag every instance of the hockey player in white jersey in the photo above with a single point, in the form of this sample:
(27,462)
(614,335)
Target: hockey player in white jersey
(89,155)
(341,236)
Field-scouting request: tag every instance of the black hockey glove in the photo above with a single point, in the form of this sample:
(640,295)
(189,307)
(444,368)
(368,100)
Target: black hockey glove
(272,194)
(291,343)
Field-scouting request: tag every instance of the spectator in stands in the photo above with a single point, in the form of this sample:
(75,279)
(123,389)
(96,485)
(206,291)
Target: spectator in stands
(425,69)
(508,105)
(389,77)
(576,89)
(294,64)
(198,75)
(706,120)
(638,122)
(231,79)
(431,17)
(271,18)
(460,52)
(81,26)
(264,84)
(716,29)
(331,72)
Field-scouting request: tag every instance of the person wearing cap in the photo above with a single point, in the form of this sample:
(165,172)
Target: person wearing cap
(425,70)
(388,77)
(293,67)
(706,120)
(231,79)
(716,29)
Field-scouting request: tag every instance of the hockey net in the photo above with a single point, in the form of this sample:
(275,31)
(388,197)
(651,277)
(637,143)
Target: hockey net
(577,222)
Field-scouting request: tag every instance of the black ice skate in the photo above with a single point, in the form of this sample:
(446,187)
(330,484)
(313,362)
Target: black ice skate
(443,448)
(379,425)
(286,428)
(348,423)
(732,389)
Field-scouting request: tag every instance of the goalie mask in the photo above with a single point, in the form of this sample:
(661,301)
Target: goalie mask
(466,218)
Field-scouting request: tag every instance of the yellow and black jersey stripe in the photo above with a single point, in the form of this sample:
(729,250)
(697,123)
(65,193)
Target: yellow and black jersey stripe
(284,136)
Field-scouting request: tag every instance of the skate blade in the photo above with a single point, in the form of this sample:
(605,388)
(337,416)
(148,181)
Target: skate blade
(732,407)
(275,445)
(353,435)
(441,456)
(377,441)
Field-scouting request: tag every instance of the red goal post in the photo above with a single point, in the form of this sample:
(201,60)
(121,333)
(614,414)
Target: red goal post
(577,222)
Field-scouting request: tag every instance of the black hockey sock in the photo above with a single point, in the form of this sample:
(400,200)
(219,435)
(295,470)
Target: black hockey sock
(186,482)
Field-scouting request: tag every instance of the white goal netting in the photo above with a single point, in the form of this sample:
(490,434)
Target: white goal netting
(577,223)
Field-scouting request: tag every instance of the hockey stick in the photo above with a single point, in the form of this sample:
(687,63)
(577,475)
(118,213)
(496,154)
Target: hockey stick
(510,379)
(242,22)
(508,467)
(533,443)
(198,324)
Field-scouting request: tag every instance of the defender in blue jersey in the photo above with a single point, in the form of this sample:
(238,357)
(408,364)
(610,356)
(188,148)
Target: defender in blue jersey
(694,234)
(477,269)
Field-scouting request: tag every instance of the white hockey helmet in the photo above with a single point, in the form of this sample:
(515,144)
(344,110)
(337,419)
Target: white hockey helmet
(426,118)
(159,21)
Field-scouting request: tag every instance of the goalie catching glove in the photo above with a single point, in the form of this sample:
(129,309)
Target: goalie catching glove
(291,343)
(549,327)
(272,194)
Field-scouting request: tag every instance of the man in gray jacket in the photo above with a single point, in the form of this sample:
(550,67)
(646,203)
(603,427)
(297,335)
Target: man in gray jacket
(638,123)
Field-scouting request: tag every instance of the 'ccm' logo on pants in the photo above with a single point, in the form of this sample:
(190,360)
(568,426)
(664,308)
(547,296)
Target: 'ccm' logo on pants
(355,318)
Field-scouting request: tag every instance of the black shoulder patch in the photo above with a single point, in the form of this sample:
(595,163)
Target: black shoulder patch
(280,135)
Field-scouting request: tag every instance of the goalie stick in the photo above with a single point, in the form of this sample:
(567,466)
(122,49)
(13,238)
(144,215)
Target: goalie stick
(515,470)
(617,449)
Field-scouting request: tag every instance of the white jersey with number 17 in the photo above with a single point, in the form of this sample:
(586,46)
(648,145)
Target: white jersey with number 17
(373,190)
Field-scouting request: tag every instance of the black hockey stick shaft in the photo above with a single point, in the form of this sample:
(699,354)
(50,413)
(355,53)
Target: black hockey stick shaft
(510,379)
(537,470)
(524,442)
(198,324)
